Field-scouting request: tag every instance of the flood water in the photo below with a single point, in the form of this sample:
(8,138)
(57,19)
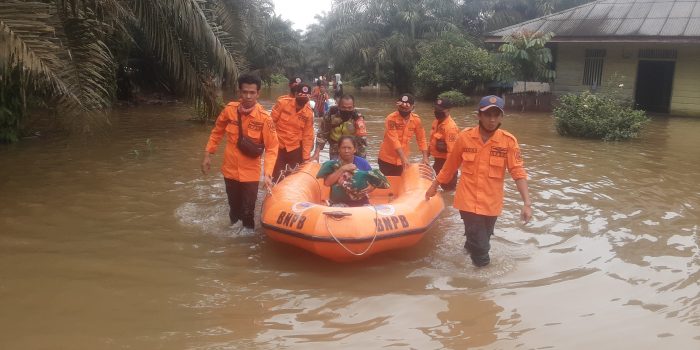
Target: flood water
(119,242)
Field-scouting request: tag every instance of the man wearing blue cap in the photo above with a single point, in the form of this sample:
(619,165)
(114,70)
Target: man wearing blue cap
(483,153)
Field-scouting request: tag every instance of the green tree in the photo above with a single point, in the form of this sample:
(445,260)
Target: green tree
(527,53)
(454,63)
(68,52)
(381,38)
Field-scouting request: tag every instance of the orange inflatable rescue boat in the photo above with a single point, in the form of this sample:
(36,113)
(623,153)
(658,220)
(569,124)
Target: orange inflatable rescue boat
(295,213)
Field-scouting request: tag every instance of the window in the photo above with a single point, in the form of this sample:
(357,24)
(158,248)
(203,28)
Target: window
(593,67)
(659,54)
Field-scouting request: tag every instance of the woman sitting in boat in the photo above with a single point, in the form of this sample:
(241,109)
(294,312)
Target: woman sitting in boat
(350,177)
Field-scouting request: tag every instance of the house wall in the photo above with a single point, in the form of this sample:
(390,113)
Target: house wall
(621,61)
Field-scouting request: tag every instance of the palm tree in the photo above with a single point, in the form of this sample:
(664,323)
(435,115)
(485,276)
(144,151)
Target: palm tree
(382,36)
(527,53)
(65,51)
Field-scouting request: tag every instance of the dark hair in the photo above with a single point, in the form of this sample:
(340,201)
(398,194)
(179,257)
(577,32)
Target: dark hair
(249,78)
(347,137)
(348,97)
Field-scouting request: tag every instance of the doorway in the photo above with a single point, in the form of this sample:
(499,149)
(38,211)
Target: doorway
(654,85)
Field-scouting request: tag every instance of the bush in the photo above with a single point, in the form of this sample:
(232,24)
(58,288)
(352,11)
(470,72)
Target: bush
(456,97)
(276,79)
(598,116)
(453,63)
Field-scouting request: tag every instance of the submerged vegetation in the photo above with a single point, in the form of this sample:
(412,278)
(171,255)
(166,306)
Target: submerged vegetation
(598,116)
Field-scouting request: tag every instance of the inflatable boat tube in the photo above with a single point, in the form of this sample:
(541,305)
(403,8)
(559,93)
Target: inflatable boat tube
(296,213)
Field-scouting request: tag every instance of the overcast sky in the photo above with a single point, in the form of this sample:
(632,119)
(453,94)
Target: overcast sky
(301,12)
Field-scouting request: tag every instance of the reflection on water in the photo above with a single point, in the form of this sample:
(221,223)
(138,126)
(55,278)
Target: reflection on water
(119,242)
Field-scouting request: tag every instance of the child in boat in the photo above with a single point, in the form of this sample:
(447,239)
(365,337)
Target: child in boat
(350,177)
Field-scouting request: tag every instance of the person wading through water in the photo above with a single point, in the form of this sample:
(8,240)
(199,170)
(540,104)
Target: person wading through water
(443,135)
(345,121)
(250,134)
(294,121)
(483,154)
(399,127)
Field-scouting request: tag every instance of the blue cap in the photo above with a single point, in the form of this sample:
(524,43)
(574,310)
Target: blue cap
(491,101)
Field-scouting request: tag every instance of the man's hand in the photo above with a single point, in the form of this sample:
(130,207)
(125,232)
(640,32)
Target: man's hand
(268,183)
(315,157)
(526,213)
(206,164)
(432,190)
(426,160)
(405,163)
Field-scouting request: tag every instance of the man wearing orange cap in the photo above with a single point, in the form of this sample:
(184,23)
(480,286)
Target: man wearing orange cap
(250,133)
(294,121)
(483,154)
(399,127)
(443,135)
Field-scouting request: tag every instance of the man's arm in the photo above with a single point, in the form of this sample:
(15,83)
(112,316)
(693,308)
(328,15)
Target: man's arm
(454,159)
(324,132)
(214,138)
(422,142)
(526,211)
(307,138)
(271,149)
(515,164)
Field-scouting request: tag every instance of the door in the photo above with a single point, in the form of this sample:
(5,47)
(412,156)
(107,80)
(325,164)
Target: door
(654,85)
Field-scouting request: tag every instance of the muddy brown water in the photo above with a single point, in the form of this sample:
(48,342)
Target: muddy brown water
(120,243)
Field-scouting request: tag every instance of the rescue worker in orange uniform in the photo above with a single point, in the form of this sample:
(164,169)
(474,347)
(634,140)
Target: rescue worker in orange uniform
(443,135)
(294,121)
(294,81)
(483,154)
(399,127)
(248,129)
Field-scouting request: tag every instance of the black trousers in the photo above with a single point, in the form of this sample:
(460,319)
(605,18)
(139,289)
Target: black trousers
(284,158)
(389,169)
(478,229)
(241,201)
(437,166)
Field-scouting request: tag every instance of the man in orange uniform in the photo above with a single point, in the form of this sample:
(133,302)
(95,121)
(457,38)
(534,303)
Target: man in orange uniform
(294,81)
(399,127)
(294,121)
(483,154)
(443,135)
(241,166)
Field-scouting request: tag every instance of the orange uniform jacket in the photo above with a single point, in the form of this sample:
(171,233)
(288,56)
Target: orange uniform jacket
(483,165)
(294,128)
(397,133)
(259,127)
(446,130)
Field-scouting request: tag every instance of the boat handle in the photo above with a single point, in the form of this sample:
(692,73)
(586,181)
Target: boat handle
(337,214)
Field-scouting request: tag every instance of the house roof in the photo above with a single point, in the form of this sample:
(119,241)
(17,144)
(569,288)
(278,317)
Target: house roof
(617,21)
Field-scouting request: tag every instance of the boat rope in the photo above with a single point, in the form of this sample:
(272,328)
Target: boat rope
(334,215)
(291,171)
(338,216)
